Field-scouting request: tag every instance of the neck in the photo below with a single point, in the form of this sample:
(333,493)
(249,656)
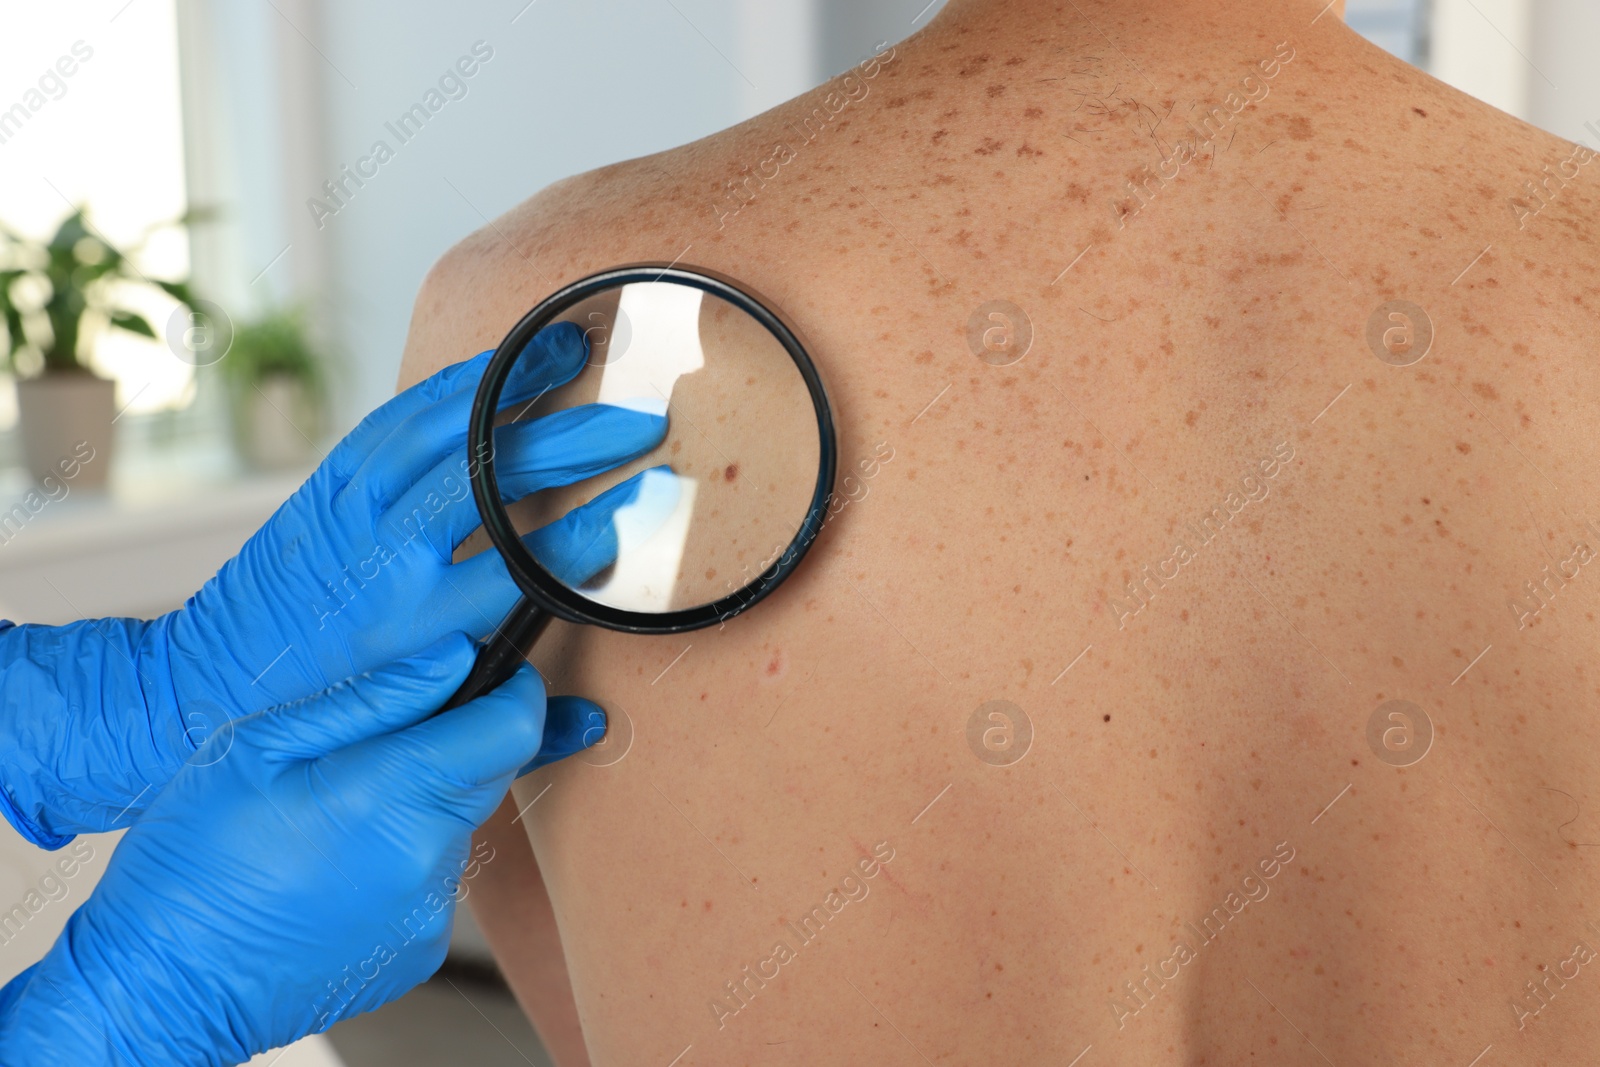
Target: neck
(1055,12)
(1169,36)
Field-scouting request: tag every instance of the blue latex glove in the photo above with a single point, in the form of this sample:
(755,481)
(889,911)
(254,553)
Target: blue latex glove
(302,867)
(353,572)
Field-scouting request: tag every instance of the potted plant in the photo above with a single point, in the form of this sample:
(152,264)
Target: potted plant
(276,387)
(56,298)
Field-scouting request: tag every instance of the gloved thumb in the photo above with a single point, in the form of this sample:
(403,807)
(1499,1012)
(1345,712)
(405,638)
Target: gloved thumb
(482,742)
(457,764)
(571,724)
(378,702)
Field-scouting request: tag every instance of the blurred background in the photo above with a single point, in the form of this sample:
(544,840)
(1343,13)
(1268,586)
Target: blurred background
(211,169)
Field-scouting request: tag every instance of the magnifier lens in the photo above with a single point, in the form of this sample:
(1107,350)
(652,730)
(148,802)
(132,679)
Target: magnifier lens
(727,491)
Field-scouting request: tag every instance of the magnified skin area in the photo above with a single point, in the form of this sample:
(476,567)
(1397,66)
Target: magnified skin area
(742,435)
(1207,743)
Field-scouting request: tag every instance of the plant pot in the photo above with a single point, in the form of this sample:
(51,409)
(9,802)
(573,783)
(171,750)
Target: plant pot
(65,421)
(275,422)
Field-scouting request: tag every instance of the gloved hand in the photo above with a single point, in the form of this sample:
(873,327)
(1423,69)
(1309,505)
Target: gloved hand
(302,867)
(353,572)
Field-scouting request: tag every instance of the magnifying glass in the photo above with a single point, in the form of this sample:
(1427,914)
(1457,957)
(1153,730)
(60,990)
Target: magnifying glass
(707,523)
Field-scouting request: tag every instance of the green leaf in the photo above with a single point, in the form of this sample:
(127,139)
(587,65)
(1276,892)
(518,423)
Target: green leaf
(127,320)
(15,337)
(82,273)
(197,214)
(278,344)
(88,272)
(179,291)
(73,228)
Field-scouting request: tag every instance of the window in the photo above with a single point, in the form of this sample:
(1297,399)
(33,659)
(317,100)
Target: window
(108,136)
(1399,27)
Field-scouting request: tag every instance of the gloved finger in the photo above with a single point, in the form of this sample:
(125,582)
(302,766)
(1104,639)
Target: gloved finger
(554,357)
(348,455)
(559,449)
(378,702)
(484,741)
(480,594)
(574,548)
(571,724)
(458,377)
(586,540)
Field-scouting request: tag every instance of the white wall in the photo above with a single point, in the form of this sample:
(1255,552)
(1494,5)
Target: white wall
(570,86)
(1396,25)
(1564,35)
(850,28)
(1532,58)
(1482,47)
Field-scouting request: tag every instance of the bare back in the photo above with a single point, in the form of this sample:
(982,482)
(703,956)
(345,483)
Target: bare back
(1075,731)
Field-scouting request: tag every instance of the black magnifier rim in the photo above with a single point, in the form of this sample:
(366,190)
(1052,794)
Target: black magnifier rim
(542,587)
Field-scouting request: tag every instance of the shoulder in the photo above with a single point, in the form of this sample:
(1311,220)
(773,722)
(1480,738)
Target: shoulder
(642,209)
(480,287)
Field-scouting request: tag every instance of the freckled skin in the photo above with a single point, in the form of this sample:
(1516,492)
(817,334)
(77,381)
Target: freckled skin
(1180,335)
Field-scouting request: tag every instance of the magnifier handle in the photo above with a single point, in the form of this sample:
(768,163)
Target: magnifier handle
(503,652)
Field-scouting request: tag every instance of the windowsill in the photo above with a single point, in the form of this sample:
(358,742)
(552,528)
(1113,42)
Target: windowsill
(161,529)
